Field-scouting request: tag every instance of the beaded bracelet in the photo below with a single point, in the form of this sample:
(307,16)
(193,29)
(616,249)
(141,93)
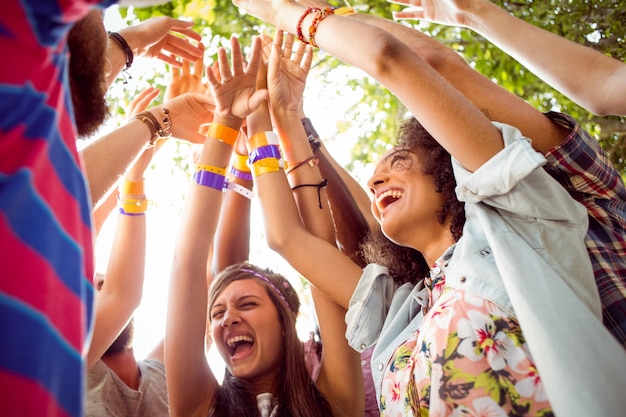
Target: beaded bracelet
(267,151)
(223,133)
(158,132)
(264,166)
(299,25)
(316,21)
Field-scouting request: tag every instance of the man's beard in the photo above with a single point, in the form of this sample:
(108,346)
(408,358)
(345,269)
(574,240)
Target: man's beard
(87,42)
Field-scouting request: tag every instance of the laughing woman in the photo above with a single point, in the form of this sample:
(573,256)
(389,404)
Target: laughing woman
(251,311)
(502,323)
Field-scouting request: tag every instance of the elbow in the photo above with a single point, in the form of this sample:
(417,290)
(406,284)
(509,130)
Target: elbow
(277,240)
(386,52)
(600,108)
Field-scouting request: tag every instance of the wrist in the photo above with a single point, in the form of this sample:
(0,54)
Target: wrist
(480,16)
(287,16)
(129,34)
(159,121)
(118,42)
(231,122)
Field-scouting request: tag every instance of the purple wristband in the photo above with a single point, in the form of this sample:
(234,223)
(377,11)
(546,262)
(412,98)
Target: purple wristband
(246,176)
(125,213)
(209,179)
(267,151)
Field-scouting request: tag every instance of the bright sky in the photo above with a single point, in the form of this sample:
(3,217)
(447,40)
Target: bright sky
(165,186)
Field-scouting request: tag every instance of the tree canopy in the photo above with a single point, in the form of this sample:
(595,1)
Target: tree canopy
(373,115)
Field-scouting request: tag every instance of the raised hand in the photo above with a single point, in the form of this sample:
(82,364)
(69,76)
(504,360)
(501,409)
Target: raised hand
(189,112)
(153,38)
(287,72)
(187,78)
(141,101)
(266,10)
(235,92)
(445,12)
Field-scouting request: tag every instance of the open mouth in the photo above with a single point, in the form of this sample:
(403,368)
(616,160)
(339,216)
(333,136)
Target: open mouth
(239,344)
(387,198)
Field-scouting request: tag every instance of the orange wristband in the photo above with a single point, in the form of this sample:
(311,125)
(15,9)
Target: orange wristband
(131,187)
(223,133)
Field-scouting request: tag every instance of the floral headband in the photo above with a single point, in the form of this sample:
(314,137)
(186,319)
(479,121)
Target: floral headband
(270,283)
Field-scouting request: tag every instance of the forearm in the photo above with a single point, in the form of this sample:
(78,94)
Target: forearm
(304,176)
(496,102)
(116,59)
(190,381)
(232,239)
(107,159)
(349,218)
(341,375)
(581,73)
(123,284)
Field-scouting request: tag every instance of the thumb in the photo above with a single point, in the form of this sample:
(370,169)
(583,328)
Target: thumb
(259,97)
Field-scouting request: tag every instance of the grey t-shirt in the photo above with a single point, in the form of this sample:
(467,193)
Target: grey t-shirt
(109,396)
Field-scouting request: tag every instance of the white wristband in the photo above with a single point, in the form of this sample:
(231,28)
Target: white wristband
(240,189)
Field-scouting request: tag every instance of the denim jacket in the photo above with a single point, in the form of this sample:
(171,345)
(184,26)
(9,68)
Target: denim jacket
(523,248)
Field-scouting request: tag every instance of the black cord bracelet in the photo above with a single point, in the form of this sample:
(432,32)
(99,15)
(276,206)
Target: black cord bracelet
(319,187)
(124,45)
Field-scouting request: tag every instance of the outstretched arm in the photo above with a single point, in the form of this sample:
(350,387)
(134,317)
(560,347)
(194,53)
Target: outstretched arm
(157,37)
(191,384)
(497,103)
(120,293)
(590,78)
(340,377)
(450,118)
(107,158)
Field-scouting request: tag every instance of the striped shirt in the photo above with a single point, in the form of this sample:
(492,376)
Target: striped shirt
(584,169)
(46,253)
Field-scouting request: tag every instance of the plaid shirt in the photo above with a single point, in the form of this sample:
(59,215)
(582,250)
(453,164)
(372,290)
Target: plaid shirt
(584,169)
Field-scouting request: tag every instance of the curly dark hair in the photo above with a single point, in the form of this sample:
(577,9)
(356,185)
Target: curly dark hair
(436,162)
(404,264)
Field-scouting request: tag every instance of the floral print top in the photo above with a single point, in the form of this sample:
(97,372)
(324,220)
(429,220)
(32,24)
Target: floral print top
(469,358)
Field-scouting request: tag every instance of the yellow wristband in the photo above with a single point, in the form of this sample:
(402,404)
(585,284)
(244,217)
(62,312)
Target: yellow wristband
(131,187)
(240,162)
(211,168)
(265,165)
(223,133)
(343,11)
(133,206)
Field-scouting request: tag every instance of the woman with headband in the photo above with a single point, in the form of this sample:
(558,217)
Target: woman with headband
(251,311)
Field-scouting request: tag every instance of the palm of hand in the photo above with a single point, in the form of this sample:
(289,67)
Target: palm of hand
(233,100)
(287,87)
(184,84)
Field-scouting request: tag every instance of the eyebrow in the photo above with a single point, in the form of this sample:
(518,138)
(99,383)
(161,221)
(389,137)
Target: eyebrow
(238,300)
(395,152)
